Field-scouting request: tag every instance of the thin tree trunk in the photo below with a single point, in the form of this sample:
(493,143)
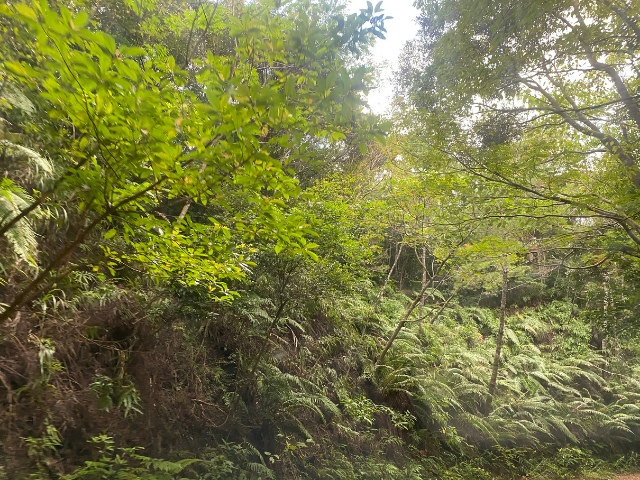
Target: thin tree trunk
(386,282)
(402,322)
(445,305)
(499,339)
(424,282)
(605,308)
(435,273)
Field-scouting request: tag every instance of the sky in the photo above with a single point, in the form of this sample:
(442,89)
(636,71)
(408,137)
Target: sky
(400,28)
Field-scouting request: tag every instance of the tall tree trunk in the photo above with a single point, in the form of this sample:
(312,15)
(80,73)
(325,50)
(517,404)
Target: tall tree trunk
(386,282)
(424,283)
(605,307)
(499,339)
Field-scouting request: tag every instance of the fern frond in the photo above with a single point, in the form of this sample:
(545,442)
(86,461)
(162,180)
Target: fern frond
(21,236)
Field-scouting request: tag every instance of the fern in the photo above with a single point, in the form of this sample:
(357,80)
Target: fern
(21,236)
(25,162)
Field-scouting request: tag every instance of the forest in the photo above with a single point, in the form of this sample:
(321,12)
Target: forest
(217,263)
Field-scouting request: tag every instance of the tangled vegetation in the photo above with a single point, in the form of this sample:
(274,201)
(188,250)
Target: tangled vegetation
(215,264)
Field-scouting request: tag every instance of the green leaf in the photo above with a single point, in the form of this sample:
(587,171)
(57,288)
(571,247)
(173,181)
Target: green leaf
(106,41)
(80,20)
(132,51)
(26,11)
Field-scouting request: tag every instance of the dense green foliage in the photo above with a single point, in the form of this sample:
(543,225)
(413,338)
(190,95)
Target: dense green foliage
(215,265)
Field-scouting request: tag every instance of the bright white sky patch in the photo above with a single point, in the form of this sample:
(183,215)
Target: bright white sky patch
(400,29)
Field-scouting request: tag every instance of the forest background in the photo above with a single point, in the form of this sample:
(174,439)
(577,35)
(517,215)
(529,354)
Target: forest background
(217,265)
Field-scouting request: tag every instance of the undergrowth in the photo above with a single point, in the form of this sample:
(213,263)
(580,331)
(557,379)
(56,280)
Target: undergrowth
(316,405)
